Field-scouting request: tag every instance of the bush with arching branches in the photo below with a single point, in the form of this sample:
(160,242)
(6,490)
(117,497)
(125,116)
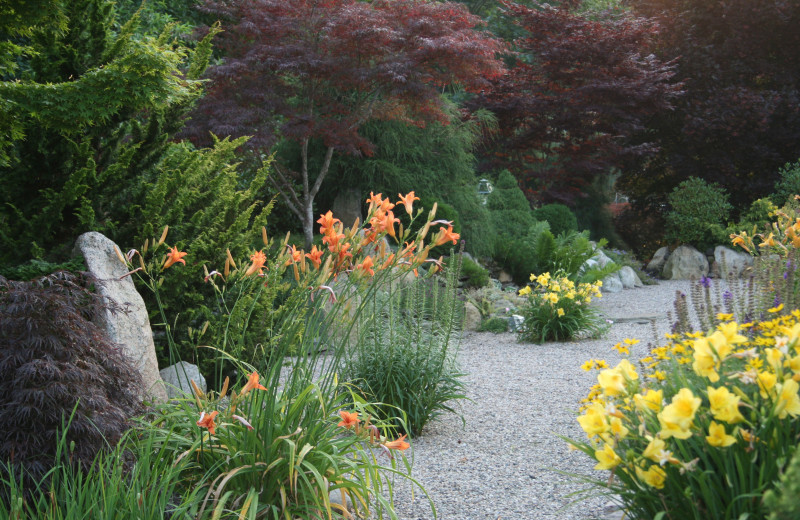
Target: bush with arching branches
(59,368)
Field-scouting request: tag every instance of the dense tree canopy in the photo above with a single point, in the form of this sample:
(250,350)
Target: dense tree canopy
(739,121)
(577,100)
(309,70)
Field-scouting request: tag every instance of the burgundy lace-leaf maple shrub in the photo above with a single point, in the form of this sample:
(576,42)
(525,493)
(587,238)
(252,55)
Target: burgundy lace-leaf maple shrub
(577,100)
(54,360)
(308,70)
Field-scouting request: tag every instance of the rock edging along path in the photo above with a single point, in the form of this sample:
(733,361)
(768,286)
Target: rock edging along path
(505,463)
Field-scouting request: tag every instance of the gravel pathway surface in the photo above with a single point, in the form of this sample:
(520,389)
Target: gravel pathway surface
(505,463)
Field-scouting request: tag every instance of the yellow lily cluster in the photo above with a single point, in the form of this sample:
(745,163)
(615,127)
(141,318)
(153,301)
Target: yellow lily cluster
(735,385)
(785,234)
(556,290)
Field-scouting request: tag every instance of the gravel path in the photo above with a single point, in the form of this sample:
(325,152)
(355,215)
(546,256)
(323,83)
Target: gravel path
(504,463)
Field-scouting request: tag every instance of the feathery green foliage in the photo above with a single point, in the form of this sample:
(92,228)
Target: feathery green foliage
(197,193)
(93,106)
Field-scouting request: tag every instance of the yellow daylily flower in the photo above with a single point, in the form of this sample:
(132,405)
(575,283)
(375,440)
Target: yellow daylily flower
(654,476)
(724,405)
(651,400)
(717,437)
(606,458)
(676,418)
(788,402)
(594,421)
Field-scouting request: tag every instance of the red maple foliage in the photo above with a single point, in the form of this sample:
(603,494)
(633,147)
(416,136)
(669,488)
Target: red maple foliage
(312,70)
(739,120)
(577,101)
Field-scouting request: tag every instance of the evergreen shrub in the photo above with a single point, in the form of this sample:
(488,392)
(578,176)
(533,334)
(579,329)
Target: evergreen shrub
(698,214)
(473,274)
(560,218)
(197,193)
(511,217)
(789,184)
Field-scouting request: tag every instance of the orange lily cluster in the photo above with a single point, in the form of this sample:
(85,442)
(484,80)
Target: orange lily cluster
(351,420)
(347,252)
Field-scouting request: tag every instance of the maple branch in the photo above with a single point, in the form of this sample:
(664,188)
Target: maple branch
(293,202)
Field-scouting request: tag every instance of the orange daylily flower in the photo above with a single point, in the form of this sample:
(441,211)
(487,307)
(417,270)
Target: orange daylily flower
(315,256)
(407,201)
(332,239)
(174,256)
(207,421)
(295,255)
(259,259)
(349,419)
(446,235)
(252,384)
(399,444)
(327,222)
(366,266)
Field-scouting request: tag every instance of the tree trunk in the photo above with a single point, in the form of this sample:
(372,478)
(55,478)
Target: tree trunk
(308,223)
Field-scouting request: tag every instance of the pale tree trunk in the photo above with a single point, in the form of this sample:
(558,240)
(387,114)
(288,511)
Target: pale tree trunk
(303,206)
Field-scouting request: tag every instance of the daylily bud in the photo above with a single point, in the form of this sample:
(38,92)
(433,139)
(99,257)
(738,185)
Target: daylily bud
(119,255)
(230,259)
(163,235)
(145,246)
(264,235)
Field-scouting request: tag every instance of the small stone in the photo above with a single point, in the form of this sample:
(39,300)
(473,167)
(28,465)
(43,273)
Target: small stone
(515,322)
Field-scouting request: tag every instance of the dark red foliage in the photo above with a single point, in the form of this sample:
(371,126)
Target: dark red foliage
(53,361)
(577,101)
(312,69)
(740,118)
(308,70)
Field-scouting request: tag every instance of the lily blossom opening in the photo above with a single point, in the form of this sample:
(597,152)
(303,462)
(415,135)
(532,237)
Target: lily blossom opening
(399,445)
(407,201)
(259,259)
(445,235)
(252,384)
(207,421)
(349,419)
(174,256)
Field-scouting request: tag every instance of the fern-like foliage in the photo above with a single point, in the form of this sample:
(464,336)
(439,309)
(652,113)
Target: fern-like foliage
(54,361)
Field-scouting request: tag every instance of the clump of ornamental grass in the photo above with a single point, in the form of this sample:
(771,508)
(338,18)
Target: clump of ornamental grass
(405,354)
(56,364)
(558,309)
(275,447)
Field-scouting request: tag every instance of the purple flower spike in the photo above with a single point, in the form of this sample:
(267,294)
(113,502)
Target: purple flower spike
(705,281)
(727,296)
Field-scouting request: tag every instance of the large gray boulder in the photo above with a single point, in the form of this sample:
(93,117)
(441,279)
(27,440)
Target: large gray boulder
(612,284)
(728,261)
(685,263)
(656,265)
(629,278)
(347,206)
(177,379)
(131,328)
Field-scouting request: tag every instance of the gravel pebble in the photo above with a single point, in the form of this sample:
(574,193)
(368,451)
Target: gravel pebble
(507,461)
